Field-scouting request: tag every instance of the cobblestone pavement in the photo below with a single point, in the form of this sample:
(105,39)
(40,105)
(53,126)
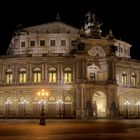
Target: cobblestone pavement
(70,130)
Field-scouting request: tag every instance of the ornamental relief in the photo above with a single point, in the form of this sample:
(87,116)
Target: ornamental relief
(97,52)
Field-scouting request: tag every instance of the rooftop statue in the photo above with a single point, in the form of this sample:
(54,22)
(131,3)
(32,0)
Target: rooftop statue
(92,26)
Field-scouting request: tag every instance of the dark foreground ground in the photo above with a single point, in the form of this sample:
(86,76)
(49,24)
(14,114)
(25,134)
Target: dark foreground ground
(70,130)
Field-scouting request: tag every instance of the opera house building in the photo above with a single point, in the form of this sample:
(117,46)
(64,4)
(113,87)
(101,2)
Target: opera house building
(73,73)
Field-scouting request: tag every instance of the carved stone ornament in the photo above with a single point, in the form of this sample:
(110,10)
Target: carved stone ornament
(97,52)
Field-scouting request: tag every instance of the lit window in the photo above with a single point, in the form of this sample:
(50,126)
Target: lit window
(37,75)
(32,43)
(52,75)
(42,42)
(23,44)
(124,77)
(133,79)
(63,42)
(22,75)
(52,42)
(67,75)
(9,76)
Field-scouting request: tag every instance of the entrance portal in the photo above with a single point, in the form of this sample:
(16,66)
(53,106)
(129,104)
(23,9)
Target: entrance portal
(99,104)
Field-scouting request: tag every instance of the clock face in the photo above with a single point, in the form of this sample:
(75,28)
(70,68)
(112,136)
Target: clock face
(97,51)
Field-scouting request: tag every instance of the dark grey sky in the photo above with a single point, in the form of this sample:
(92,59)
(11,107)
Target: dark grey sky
(121,16)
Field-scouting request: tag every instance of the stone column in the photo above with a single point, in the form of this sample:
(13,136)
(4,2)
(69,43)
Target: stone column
(77,72)
(61,74)
(111,71)
(73,73)
(15,75)
(78,102)
(83,101)
(84,70)
(58,73)
(112,108)
(45,74)
(30,74)
(42,74)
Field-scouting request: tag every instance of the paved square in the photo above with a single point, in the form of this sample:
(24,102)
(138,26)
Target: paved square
(69,130)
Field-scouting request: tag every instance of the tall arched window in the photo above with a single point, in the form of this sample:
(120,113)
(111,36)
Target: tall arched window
(37,75)
(22,75)
(9,76)
(52,75)
(67,75)
(93,72)
(133,78)
(124,77)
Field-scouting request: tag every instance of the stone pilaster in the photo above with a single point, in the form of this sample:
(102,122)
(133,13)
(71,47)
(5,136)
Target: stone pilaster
(78,102)
(112,108)
(111,70)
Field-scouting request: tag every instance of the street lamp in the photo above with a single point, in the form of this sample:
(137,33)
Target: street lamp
(8,103)
(24,102)
(138,108)
(127,103)
(60,102)
(43,93)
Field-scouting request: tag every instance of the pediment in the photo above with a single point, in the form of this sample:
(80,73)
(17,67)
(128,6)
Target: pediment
(54,27)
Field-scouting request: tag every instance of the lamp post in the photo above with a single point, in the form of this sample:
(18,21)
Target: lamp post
(8,103)
(43,93)
(138,108)
(127,103)
(24,102)
(60,102)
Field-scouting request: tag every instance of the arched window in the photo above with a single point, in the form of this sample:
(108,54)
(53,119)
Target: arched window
(124,77)
(52,75)
(92,72)
(133,78)
(22,75)
(37,75)
(67,99)
(9,76)
(67,75)
(52,99)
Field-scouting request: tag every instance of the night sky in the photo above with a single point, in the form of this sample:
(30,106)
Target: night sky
(122,16)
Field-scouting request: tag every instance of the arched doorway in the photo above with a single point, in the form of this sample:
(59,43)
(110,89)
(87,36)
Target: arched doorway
(99,104)
(51,107)
(36,107)
(68,107)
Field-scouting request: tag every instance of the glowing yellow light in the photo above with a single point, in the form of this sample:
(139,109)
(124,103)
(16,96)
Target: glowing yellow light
(47,94)
(43,93)
(38,93)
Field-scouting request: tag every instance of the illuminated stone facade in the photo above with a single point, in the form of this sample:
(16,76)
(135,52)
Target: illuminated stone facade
(85,74)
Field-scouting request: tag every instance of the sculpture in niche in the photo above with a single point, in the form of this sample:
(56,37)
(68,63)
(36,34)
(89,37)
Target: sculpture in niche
(97,52)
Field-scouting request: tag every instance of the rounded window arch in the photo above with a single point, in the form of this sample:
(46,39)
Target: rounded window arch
(124,77)
(67,99)
(52,75)
(133,78)
(9,76)
(67,75)
(22,75)
(20,99)
(52,99)
(92,72)
(37,75)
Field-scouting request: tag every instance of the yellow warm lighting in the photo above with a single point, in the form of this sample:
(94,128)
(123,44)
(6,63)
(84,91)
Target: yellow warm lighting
(38,93)
(47,93)
(42,93)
